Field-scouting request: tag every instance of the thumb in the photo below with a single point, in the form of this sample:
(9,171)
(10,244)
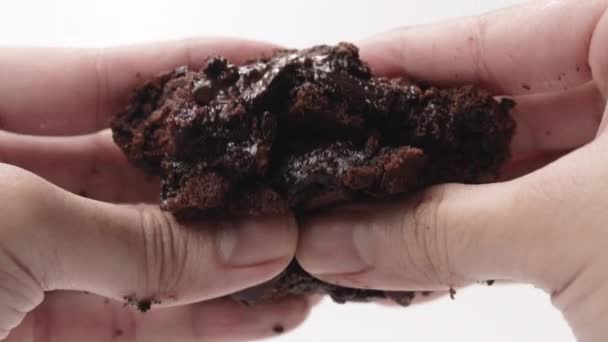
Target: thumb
(598,61)
(62,241)
(451,235)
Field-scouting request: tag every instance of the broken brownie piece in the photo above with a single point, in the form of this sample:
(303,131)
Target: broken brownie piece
(303,130)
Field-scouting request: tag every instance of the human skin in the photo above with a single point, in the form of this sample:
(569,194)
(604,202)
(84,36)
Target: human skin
(67,225)
(546,222)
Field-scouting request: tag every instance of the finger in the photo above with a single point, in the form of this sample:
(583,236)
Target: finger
(134,253)
(598,60)
(520,50)
(98,169)
(453,235)
(598,54)
(75,317)
(49,91)
(530,163)
(604,123)
(558,120)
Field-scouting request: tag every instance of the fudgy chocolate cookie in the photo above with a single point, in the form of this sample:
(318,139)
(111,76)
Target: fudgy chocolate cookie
(303,130)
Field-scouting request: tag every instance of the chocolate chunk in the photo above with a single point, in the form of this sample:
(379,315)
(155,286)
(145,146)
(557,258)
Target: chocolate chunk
(278,329)
(305,130)
(203,92)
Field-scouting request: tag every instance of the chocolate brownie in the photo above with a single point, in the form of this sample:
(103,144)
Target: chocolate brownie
(305,130)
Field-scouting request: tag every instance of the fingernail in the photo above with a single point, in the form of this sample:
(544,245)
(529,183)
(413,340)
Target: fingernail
(335,246)
(254,241)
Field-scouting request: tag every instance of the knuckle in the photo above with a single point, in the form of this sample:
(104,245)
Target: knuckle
(476,39)
(29,201)
(102,85)
(20,290)
(426,232)
(164,251)
(21,190)
(17,181)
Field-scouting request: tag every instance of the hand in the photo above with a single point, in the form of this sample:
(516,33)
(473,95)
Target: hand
(548,227)
(53,104)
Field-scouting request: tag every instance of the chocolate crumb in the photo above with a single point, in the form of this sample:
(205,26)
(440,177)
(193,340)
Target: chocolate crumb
(142,305)
(83,193)
(490,282)
(526,86)
(278,329)
(452,293)
(203,92)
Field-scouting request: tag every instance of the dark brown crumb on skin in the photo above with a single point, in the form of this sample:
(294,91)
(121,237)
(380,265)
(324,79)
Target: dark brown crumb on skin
(578,69)
(118,332)
(278,329)
(526,86)
(83,193)
(490,282)
(452,293)
(426,293)
(142,305)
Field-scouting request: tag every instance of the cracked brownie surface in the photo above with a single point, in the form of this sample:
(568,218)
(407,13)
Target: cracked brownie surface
(303,130)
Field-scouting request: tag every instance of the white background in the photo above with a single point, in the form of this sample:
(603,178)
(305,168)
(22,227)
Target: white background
(498,313)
